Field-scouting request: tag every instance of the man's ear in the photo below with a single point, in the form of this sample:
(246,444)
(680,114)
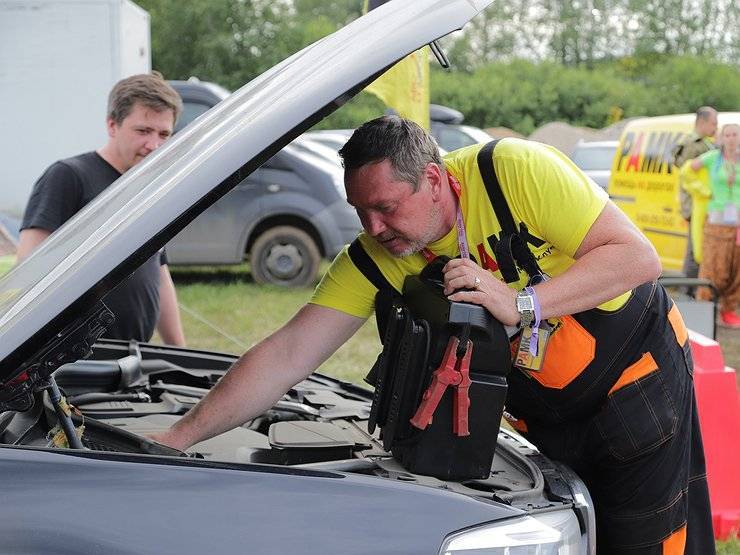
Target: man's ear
(436,179)
(111,126)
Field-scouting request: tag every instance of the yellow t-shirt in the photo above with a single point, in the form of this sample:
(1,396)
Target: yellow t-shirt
(543,189)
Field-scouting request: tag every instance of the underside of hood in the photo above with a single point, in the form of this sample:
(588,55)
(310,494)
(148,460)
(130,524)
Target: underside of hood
(94,251)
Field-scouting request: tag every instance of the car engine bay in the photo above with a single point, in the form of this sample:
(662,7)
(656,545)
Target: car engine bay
(125,391)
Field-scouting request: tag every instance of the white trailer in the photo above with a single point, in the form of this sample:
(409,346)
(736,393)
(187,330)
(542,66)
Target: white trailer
(58,62)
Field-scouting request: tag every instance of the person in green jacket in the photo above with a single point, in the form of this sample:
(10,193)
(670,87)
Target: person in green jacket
(721,239)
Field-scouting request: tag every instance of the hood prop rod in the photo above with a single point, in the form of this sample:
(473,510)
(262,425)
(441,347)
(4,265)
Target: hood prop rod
(63,414)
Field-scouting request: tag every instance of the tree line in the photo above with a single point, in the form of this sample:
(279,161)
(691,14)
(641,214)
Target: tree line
(518,64)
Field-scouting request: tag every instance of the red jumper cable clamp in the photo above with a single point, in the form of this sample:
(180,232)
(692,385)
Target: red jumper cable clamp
(454,371)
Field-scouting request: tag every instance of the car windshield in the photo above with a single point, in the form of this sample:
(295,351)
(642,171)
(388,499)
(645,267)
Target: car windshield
(594,158)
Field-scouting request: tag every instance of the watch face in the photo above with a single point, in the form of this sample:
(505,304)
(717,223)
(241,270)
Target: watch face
(525,307)
(524,303)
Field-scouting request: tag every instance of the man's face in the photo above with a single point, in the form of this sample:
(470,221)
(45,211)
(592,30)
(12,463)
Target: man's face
(401,220)
(141,132)
(708,127)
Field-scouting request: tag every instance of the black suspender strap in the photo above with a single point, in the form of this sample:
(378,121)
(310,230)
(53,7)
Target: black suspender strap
(493,188)
(511,249)
(367,266)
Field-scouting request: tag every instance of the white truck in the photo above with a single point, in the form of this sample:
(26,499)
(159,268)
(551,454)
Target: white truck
(58,61)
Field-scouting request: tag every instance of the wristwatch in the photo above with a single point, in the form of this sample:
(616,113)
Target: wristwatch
(525,308)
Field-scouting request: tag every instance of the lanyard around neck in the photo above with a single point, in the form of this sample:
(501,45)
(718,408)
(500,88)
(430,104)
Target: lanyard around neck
(462,240)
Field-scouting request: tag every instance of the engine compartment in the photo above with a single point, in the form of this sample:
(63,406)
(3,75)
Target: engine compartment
(126,391)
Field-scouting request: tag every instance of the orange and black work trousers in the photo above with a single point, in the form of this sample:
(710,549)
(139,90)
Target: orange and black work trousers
(615,401)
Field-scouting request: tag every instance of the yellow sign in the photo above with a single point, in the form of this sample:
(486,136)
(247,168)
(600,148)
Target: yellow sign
(644,182)
(405,87)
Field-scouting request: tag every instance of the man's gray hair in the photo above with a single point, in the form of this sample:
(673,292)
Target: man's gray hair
(404,143)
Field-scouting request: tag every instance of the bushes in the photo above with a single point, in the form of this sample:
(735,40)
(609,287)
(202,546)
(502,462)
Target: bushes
(523,95)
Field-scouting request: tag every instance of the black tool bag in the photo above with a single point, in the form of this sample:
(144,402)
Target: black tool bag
(415,329)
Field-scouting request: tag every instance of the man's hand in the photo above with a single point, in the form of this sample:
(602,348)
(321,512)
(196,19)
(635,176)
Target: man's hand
(263,374)
(483,289)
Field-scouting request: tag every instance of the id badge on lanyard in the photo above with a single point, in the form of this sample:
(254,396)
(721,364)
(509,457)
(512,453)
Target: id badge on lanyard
(524,359)
(533,340)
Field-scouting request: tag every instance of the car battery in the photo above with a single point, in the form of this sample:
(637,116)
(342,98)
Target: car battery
(417,330)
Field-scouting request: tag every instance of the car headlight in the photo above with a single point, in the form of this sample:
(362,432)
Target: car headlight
(555,533)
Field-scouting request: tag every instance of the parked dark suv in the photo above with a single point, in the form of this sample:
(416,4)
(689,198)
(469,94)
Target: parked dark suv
(283,218)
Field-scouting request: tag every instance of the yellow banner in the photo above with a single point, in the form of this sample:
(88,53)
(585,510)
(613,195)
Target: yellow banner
(405,87)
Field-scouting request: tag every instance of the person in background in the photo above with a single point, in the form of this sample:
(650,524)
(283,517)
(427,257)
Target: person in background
(142,110)
(721,240)
(694,145)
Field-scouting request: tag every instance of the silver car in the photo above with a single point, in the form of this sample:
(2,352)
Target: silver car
(595,159)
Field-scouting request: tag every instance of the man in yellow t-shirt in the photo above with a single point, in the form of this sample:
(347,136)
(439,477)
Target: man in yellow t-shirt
(613,399)
(519,164)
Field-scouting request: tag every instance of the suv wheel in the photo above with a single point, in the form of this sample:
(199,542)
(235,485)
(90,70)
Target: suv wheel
(285,255)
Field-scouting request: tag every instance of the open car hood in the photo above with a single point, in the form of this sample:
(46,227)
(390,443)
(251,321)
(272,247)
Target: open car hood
(142,210)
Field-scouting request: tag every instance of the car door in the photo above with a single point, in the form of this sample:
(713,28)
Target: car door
(218,235)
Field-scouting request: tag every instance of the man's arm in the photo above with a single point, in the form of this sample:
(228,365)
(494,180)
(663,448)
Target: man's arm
(30,239)
(613,258)
(169,325)
(264,373)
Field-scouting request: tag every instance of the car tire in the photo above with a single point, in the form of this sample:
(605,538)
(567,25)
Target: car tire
(285,255)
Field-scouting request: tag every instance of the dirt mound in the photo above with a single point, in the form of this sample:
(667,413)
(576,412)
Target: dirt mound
(501,132)
(564,136)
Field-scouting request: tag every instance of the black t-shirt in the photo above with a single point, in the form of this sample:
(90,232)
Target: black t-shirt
(63,189)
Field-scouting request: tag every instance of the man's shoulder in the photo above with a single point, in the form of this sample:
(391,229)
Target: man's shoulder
(81,163)
(515,145)
(67,171)
(505,145)
(689,139)
(508,148)
(692,146)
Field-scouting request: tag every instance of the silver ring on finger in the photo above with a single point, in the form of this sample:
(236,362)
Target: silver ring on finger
(476,283)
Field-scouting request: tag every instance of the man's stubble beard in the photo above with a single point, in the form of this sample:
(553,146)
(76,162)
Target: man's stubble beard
(430,234)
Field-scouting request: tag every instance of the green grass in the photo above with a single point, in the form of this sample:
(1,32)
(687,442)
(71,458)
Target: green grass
(6,262)
(244,312)
(729,547)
